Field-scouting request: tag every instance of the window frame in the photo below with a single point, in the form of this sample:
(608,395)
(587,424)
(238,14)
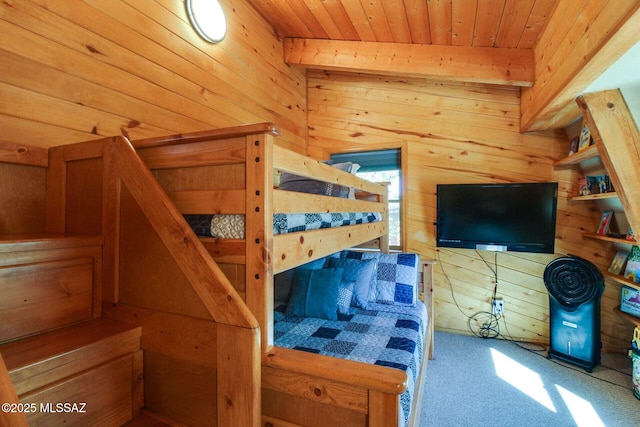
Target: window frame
(403,194)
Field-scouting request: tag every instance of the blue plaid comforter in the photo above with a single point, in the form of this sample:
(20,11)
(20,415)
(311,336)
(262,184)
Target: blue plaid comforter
(385,335)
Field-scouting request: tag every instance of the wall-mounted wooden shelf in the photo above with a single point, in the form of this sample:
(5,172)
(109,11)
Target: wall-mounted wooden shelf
(575,159)
(617,141)
(604,237)
(633,319)
(620,280)
(599,196)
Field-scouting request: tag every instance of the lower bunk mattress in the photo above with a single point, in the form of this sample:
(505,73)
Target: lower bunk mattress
(383,334)
(232,226)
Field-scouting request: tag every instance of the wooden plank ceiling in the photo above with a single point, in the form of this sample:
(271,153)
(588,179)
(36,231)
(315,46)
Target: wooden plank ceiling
(489,41)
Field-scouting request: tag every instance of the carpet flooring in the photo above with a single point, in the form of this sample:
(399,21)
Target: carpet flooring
(489,382)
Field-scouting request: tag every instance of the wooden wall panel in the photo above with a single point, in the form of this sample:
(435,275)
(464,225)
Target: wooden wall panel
(75,71)
(84,196)
(180,389)
(23,188)
(462,133)
(581,40)
(141,282)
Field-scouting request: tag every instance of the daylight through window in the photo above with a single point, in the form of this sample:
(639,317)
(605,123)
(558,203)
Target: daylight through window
(382,166)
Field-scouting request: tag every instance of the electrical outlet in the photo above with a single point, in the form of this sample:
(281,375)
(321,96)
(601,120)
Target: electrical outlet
(498,306)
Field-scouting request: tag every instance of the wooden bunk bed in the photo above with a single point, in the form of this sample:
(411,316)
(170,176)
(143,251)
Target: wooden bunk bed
(232,172)
(204,306)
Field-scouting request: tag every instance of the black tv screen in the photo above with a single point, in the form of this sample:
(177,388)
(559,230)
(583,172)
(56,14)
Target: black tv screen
(517,217)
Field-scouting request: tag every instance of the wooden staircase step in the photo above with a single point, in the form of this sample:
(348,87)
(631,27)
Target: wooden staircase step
(48,281)
(10,243)
(43,359)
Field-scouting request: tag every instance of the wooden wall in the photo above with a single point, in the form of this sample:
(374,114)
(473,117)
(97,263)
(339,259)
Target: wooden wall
(74,71)
(463,133)
(23,189)
(581,40)
(79,70)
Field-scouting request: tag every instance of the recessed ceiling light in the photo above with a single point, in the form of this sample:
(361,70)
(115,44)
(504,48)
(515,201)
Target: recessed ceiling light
(207,18)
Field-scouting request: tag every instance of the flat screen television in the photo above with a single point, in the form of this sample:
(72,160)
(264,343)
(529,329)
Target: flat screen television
(517,217)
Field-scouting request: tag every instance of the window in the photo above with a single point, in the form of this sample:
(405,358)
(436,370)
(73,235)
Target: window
(382,166)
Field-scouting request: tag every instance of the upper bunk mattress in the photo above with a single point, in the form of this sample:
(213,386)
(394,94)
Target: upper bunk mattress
(383,334)
(232,226)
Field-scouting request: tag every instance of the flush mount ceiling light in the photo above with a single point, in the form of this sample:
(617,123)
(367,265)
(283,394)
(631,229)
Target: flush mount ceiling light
(207,18)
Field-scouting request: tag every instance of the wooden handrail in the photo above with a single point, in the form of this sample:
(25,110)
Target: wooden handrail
(208,135)
(238,331)
(208,281)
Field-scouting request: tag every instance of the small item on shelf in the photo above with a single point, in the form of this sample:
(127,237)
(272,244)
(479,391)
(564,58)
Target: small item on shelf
(573,146)
(618,262)
(584,189)
(585,138)
(630,235)
(632,271)
(605,222)
(599,184)
(602,183)
(630,300)
(592,185)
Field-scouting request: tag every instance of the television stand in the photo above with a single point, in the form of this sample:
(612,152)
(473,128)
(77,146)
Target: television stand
(493,248)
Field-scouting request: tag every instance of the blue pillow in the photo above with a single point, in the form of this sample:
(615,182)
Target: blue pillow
(314,293)
(362,272)
(282,281)
(397,278)
(373,297)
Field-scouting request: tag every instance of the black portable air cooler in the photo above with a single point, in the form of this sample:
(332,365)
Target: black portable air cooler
(575,286)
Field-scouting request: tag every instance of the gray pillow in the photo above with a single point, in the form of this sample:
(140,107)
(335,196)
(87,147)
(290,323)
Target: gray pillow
(301,184)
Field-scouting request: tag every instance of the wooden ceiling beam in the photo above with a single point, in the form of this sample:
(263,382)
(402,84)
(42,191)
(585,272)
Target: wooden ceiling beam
(504,66)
